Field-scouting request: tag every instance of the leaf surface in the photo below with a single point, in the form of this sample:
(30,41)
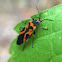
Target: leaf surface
(47,44)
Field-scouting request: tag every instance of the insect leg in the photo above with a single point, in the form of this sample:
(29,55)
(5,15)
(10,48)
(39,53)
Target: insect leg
(25,43)
(34,17)
(33,38)
(24,46)
(43,28)
(26,22)
(47,19)
(20,28)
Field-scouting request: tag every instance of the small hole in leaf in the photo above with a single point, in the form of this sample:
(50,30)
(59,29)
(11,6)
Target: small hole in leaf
(46,13)
(59,37)
(58,10)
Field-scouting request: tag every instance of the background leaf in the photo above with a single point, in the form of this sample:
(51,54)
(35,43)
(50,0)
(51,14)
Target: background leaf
(47,44)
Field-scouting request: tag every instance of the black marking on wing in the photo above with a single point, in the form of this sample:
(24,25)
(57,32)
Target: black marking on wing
(23,29)
(20,39)
(28,36)
(29,27)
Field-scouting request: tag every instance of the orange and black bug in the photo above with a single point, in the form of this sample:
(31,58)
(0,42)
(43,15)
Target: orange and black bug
(27,31)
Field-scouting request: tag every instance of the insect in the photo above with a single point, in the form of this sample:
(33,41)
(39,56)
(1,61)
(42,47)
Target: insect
(27,31)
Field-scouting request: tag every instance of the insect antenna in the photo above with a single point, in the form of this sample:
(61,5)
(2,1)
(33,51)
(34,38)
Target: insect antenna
(40,13)
(37,10)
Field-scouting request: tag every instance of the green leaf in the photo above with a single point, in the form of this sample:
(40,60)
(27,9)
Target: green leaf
(47,46)
(57,58)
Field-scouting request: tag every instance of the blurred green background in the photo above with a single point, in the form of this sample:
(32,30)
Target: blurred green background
(14,11)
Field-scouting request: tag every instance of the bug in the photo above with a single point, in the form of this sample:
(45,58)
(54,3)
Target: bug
(27,31)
